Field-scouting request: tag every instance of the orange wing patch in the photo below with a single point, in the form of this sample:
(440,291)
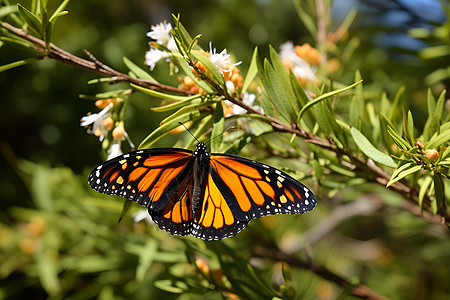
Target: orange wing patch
(215,210)
(245,181)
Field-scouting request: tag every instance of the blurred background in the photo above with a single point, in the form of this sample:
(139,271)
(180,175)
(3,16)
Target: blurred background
(46,155)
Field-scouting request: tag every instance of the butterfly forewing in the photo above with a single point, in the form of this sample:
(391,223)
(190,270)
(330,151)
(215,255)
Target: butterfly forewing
(253,189)
(148,177)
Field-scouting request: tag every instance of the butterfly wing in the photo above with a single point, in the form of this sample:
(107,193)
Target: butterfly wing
(215,219)
(149,177)
(253,190)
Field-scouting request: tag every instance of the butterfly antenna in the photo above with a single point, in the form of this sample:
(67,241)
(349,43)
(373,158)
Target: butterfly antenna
(187,129)
(226,130)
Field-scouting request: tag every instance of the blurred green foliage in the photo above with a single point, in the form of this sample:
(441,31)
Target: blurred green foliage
(61,240)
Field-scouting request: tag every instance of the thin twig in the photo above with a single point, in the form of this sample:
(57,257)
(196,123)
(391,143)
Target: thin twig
(359,290)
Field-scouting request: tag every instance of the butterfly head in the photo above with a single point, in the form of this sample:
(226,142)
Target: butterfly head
(201,154)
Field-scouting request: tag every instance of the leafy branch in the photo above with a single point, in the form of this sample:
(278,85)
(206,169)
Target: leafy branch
(270,72)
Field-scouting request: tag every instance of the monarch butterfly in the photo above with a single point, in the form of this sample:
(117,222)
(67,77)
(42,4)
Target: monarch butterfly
(209,196)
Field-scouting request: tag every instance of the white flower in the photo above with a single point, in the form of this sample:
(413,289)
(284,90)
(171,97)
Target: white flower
(96,120)
(161,33)
(142,215)
(115,149)
(300,67)
(248,99)
(220,60)
(230,87)
(153,56)
(172,46)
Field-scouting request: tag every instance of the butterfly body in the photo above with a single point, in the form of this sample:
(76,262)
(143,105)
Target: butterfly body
(211,196)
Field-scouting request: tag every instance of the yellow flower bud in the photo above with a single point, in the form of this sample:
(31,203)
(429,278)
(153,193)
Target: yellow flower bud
(431,154)
(118,132)
(108,123)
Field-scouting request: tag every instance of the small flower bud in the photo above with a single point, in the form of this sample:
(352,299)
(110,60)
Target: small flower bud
(27,245)
(118,132)
(431,154)
(36,226)
(108,123)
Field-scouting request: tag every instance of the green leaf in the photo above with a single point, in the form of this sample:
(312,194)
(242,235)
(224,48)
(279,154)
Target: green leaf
(306,14)
(435,110)
(411,127)
(423,188)
(48,271)
(125,209)
(146,258)
(438,193)
(59,11)
(182,37)
(140,73)
(162,95)
(398,140)
(196,99)
(18,64)
(288,94)
(167,285)
(186,109)
(31,19)
(300,94)
(402,172)
(252,71)
(266,74)
(368,149)
(396,103)
(168,126)
(7,10)
(325,96)
(217,129)
(438,140)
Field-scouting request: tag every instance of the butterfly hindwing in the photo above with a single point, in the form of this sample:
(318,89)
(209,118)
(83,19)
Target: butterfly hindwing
(254,189)
(215,219)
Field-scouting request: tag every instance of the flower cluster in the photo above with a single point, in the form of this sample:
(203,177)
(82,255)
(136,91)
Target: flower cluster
(164,39)
(222,62)
(100,124)
(302,60)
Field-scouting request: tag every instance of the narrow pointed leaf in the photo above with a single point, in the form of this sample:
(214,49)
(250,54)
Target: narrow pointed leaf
(146,258)
(368,149)
(398,140)
(197,99)
(59,11)
(218,128)
(18,64)
(402,172)
(7,10)
(438,192)
(276,94)
(252,71)
(438,140)
(140,73)
(283,78)
(31,19)
(162,95)
(167,127)
(423,189)
(125,209)
(324,96)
